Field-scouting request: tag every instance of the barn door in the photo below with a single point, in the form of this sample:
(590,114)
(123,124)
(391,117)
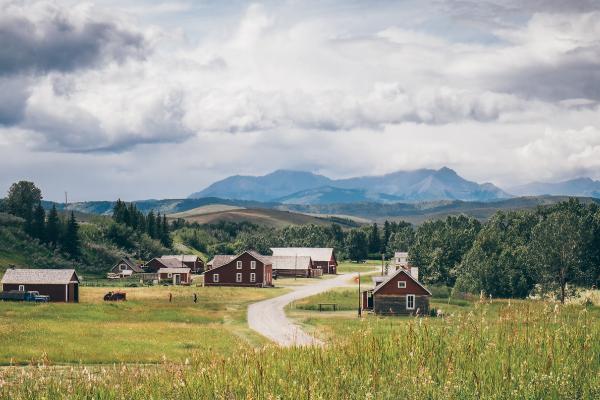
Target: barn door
(176,279)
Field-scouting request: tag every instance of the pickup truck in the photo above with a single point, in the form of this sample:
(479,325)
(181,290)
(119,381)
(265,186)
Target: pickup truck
(18,295)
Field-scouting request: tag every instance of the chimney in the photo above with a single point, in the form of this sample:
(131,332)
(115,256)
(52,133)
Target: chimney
(414,272)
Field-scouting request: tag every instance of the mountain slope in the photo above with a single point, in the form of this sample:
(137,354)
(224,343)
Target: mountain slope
(305,187)
(575,187)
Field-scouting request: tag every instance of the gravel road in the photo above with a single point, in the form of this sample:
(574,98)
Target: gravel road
(268,318)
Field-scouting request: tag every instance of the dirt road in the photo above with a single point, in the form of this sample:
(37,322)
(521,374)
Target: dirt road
(268,317)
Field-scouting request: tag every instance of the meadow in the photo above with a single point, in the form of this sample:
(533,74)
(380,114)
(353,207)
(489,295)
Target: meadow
(502,350)
(145,329)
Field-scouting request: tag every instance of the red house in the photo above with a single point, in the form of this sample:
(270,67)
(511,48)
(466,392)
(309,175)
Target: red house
(322,258)
(398,294)
(62,285)
(247,269)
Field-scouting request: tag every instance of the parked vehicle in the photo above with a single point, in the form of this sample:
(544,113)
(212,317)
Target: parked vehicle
(19,295)
(115,296)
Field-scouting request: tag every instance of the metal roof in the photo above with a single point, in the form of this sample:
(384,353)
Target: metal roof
(174,271)
(183,257)
(290,262)
(40,276)
(316,253)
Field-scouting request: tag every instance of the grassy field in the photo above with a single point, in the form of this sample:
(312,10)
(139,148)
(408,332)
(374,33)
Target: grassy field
(527,349)
(144,329)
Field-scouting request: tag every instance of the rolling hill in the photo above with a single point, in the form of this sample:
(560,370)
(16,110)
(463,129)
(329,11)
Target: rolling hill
(574,187)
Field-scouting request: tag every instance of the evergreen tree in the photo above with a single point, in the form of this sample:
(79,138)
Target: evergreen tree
(387,232)
(374,240)
(53,227)
(38,228)
(357,245)
(151,223)
(70,241)
(165,237)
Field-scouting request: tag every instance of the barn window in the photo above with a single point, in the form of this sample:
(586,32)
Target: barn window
(410,302)
(238,265)
(122,267)
(238,277)
(169,275)
(252,264)
(401,284)
(252,277)
(215,278)
(21,288)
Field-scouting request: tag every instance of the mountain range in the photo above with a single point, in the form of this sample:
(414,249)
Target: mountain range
(575,187)
(299,187)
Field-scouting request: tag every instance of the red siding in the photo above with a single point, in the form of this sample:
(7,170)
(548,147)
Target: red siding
(57,292)
(391,287)
(228,272)
(185,277)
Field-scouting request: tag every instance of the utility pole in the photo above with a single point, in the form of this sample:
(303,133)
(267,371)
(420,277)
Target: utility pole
(296,267)
(66,200)
(382,260)
(359,297)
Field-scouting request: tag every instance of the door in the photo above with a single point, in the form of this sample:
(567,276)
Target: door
(370,300)
(76,293)
(177,279)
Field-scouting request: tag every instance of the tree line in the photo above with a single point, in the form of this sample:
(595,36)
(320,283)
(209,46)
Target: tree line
(24,200)
(155,225)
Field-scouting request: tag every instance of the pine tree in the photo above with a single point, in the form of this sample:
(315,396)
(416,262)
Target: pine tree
(165,237)
(71,242)
(151,223)
(374,240)
(38,228)
(53,227)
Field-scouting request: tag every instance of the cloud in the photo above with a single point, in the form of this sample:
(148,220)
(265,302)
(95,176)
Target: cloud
(41,38)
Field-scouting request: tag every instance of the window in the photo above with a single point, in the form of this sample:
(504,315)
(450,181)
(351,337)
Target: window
(169,275)
(252,264)
(122,267)
(215,278)
(410,302)
(252,277)
(401,284)
(21,288)
(238,265)
(238,277)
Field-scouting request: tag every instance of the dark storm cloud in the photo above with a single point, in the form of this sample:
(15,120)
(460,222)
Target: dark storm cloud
(60,44)
(14,93)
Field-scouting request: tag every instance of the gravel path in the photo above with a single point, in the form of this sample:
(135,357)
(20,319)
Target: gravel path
(268,318)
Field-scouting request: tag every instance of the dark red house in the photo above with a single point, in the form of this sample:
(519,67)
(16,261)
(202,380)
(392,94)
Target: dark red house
(322,258)
(398,294)
(246,269)
(155,264)
(62,285)
(193,262)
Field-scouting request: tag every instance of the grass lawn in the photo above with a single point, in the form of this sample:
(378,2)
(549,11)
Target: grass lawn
(346,267)
(141,330)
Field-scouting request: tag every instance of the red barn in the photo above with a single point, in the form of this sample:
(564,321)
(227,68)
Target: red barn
(177,276)
(246,269)
(399,294)
(62,285)
(322,258)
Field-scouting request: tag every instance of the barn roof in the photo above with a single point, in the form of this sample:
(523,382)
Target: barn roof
(316,253)
(134,266)
(174,270)
(40,276)
(400,271)
(290,262)
(170,263)
(220,259)
(183,257)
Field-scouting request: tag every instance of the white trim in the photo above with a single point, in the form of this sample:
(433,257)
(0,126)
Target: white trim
(215,278)
(238,277)
(403,286)
(21,288)
(66,293)
(238,264)
(252,264)
(401,270)
(410,296)
(169,275)
(252,277)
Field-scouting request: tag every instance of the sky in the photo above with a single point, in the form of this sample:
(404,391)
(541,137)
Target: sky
(140,99)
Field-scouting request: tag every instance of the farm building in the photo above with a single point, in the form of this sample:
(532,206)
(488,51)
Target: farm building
(218,260)
(399,294)
(401,259)
(193,262)
(126,267)
(246,269)
(177,276)
(155,264)
(294,266)
(322,258)
(62,285)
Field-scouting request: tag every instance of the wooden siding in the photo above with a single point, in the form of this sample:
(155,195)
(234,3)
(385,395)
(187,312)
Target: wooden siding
(227,273)
(57,292)
(396,305)
(391,287)
(185,277)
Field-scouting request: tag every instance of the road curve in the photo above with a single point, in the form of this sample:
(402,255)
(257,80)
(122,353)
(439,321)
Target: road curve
(268,318)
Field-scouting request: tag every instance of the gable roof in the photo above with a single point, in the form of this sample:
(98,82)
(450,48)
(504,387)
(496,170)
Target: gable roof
(174,270)
(134,267)
(259,257)
(400,271)
(169,263)
(183,257)
(290,262)
(316,253)
(40,276)
(220,259)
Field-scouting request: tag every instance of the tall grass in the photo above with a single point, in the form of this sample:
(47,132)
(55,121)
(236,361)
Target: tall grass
(530,351)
